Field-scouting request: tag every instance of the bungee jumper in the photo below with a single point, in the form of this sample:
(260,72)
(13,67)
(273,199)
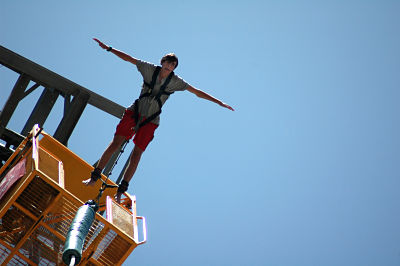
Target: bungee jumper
(142,118)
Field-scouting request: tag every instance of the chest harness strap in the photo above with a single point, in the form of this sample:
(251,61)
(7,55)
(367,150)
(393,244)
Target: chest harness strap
(149,93)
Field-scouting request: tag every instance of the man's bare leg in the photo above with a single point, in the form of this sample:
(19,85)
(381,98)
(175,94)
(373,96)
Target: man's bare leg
(112,147)
(131,169)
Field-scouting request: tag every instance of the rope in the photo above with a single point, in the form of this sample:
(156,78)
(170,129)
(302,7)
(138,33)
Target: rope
(119,156)
(104,186)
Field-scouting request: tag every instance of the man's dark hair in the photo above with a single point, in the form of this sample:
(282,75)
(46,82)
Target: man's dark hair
(171,57)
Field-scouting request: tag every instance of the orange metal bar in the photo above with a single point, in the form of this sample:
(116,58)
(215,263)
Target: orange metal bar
(14,231)
(6,245)
(95,244)
(54,232)
(24,258)
(44,157)
(32,229)
(19,148)
(27,212)
(15,192)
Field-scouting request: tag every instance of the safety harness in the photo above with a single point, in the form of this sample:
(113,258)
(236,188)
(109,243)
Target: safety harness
(149,93)
(123,186)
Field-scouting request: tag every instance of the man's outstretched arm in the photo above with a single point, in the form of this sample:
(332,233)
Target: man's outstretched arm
(207,96)
(118,53)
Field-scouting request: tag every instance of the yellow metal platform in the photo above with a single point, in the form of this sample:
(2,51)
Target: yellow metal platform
(36,211)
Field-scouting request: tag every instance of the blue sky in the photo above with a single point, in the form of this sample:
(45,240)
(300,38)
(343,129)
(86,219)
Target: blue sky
(304,172)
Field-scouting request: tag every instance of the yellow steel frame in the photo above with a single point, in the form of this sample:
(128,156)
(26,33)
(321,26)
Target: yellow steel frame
(44,201)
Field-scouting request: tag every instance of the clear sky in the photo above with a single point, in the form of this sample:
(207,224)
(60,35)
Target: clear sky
(304,172)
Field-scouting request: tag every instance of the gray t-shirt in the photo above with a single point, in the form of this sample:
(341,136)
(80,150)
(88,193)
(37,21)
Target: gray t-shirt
(148,105)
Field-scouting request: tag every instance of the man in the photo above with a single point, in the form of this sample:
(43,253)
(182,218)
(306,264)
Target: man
(143,116)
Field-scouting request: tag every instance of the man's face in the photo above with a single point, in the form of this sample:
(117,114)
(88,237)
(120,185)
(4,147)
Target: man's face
(168,65)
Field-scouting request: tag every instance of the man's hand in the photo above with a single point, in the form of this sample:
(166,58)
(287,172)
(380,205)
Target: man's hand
(227,106)
(102,45)
(204,95)
(118,53)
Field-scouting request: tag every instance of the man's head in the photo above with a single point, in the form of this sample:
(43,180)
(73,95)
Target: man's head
(170,58)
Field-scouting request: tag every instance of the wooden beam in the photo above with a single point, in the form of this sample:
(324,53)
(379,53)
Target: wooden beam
(71,117)
(51,79)
(12,102)
(41,111)
(12,138)
(34,87)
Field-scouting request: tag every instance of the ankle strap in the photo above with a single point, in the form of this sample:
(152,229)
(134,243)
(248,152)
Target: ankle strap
(123,186)
(96,174)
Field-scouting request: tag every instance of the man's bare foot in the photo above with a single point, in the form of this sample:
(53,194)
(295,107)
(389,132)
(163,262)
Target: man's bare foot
(89,182)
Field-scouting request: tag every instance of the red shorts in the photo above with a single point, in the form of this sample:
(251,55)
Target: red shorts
(144,135)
